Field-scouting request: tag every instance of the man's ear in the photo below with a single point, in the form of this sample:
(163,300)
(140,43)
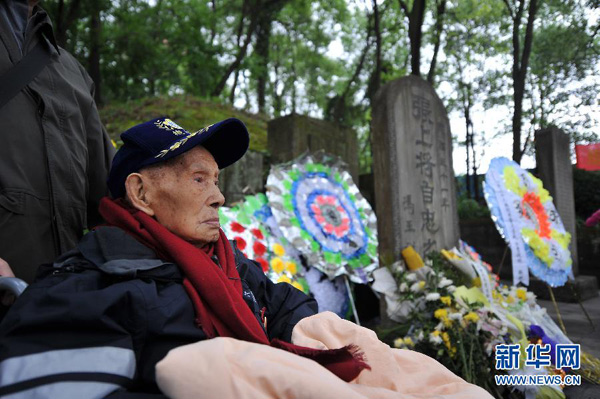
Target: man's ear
(136,187)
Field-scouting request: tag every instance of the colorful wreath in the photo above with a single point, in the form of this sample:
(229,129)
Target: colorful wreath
(527,219)
(248,223)
(323,215)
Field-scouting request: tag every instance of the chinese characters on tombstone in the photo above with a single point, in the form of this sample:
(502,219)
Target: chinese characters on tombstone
(412,164)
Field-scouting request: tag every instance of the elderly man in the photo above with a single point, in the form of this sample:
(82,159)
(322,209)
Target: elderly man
(159,275)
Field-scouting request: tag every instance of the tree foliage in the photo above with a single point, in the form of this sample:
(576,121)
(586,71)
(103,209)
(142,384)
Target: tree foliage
(536,59)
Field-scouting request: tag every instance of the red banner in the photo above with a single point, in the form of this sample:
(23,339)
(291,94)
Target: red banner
(588,156)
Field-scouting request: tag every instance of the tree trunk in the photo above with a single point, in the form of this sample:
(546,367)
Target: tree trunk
(415,33)
(254,12)
(467,145)
(519,70)
(94,57)
(64,20)
(375,82)
(263,35)
(233,87)
(439,27)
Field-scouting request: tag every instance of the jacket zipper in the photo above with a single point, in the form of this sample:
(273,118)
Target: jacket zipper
(54,224)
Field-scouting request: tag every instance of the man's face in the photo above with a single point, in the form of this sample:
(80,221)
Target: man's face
(185,197)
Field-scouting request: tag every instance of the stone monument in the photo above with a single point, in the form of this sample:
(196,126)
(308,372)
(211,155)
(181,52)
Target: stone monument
(244,177)
(553,158)
(415,190)
(290,136)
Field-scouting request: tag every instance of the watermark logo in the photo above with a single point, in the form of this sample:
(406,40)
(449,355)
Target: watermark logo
(508,357)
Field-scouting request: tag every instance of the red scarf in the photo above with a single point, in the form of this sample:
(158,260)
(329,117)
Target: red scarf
(216,292)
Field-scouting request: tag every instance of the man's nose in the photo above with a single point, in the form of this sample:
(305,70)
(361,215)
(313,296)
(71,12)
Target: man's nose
(218,200)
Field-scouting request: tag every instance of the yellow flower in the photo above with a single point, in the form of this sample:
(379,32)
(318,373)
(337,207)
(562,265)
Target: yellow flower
(278,249)
(284,279)
(542,192)
(447,322)
(510,299)
(291,267)
(440,314)
(398,343)
(408,341)
(277,265)
(421,284)
(541,249)
(512,181)
(446,337)
(521,294)
(436,333)
(446,300)
(562,239)
(472,317)
(298,285)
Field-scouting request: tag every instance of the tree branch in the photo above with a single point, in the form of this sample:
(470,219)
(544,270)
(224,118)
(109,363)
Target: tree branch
(404,7)
(509,8)
(439,27)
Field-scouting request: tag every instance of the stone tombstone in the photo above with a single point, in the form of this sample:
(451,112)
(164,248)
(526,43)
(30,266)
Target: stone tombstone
(553,158)
(415,189)
(245,177)
(290,136)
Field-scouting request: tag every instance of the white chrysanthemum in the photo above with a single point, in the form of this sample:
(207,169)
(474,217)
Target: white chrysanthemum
(411,277)
(398,267)
(416,287)
(403,287)
(444,282)
(451,288)
(434,296)
(419,337)
(455,316)
(435,339)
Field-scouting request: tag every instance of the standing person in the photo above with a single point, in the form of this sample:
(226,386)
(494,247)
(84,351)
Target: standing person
(55,153)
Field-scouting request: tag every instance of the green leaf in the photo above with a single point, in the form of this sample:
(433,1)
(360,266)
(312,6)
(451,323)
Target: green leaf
(372,249)
(315,246)
(337,258)
(243,218)
(365,260)
(305,235)
(294,174)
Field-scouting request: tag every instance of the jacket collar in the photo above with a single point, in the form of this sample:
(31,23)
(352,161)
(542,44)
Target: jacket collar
(114,251)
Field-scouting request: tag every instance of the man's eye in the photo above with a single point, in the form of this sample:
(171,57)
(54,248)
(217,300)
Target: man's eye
(198,179)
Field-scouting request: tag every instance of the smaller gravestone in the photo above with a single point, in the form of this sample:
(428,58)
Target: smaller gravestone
(290,136)
(244,177)
(552,154)
(415,190)
(553,158)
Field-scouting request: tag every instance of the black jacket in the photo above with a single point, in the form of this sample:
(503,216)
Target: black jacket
(55,154)
(105,313)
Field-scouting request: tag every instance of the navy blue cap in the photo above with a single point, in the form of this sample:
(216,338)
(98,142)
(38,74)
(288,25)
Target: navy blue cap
(161,139)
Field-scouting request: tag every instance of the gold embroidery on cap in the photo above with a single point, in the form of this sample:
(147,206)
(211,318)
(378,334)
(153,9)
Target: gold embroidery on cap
(181,142)
(171,126)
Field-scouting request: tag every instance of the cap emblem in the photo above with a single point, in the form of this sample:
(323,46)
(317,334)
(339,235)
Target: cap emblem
(181,141)
(171,126)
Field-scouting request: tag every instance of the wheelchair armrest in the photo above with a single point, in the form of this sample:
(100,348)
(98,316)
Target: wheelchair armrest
(12,284)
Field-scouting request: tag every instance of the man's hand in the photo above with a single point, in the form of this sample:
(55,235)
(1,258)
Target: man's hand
(5,270)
